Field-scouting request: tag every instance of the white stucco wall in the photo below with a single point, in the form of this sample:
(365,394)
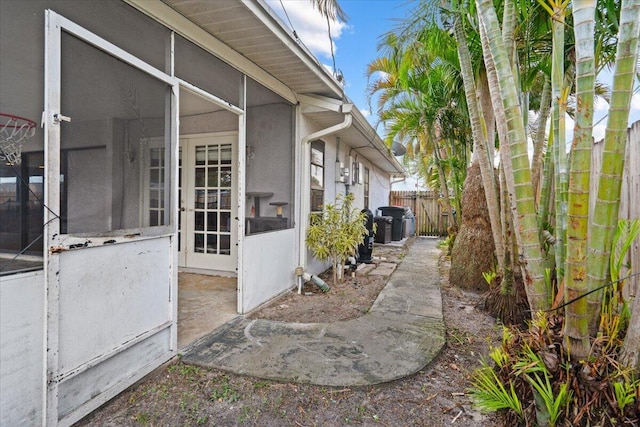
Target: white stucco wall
(269,261)
(379,185)
(21,349)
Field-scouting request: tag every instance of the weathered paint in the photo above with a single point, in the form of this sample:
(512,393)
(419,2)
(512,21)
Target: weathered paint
(21,352)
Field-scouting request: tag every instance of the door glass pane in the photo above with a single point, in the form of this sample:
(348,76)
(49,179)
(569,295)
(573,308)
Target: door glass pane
(225,244)
(213,154)
(212,244)
(201,155)
(199,199)
(225,199)
(200,175)
(199,221)
(212,181)
(225,156)
(212,203)
(212,221)
(225,221)
(225,177)
(198,243)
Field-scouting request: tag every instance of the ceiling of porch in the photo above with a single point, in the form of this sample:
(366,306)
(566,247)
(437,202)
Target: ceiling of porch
(253,30)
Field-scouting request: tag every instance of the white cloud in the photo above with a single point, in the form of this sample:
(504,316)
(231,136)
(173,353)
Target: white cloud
(599,131)
(601,105)
(635,101)
(309,25)
(365,112)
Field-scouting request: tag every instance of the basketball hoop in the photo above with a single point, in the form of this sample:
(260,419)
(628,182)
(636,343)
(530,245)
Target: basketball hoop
(14,130)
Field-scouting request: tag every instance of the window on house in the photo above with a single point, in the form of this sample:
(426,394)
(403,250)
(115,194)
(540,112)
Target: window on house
(366,188)
(317,176)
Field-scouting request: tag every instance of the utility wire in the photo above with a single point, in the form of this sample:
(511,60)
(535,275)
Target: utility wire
(293,30)
(591,291)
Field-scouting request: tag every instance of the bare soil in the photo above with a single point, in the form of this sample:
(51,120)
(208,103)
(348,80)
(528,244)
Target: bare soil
(181,395)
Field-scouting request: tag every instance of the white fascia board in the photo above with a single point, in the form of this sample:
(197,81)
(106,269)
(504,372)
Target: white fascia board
(364,127)
(268,17)
(173,20)
(315,103)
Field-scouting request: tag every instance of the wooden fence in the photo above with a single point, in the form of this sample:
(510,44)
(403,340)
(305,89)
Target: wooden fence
(629,196)
(431,219)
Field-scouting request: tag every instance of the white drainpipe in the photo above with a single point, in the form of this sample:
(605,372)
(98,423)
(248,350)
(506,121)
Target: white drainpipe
(306,178)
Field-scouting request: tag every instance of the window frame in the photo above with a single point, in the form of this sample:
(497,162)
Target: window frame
(365,186)
(316,192)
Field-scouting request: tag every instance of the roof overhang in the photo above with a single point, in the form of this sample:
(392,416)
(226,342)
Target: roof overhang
(250,37)
(360,136)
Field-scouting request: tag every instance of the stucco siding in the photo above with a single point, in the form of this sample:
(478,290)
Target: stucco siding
(21,349)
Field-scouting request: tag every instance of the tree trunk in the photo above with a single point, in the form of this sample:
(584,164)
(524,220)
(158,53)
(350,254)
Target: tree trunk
(480,142)
(527,225)
(507,187)
(559,108)
(576,325)
(539,138)
(472,252)
(605,216)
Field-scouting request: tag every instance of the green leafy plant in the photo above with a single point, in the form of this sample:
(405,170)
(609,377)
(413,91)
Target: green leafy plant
(335,233)
(625,393)
(489,276)
(225,392)
(615,312)
(549,405)
(489,393)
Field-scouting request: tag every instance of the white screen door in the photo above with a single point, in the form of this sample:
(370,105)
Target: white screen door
(208,193)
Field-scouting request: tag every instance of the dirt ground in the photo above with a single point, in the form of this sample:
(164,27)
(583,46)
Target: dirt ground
(182,395)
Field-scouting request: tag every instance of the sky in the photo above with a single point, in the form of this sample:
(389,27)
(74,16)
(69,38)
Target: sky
(355,46)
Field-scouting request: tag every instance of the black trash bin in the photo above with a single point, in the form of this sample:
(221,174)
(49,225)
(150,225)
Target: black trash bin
(365,249)
(397,227)
(383,228)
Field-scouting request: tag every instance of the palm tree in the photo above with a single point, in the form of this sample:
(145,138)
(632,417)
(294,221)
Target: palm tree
(576,337)
(526,227)
(418,106)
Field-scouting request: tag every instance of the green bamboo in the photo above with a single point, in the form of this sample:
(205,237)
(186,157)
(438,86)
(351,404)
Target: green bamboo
(607,206)
(538,142)
(531,255)
(576,326)
(557,9)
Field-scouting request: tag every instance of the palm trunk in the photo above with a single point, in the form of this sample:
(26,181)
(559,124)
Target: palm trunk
(507,187)
(559,96)
(480,142)
(538,143)
(605,216)
(527,226)
(576,326)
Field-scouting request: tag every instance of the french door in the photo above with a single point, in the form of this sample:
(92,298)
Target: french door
(208,205)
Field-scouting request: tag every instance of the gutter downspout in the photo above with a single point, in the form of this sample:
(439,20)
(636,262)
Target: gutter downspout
(306,178)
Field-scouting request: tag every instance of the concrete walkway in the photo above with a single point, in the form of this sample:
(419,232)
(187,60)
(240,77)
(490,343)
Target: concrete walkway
(399,336)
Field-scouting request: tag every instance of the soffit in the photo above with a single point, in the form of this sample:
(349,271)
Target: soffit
(361,138)
(250,28)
